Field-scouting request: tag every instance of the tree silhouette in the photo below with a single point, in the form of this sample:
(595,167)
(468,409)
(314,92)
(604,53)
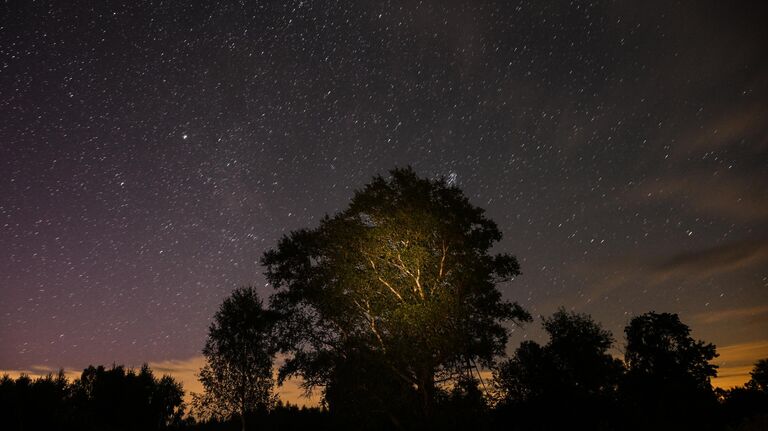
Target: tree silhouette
(49,401)
(746,408)
(759,377)
(237,377)
(660,346)
(120,399)
(404,273)
(573,374)
(101,399)
(15,402)
(167,401)
(668,374)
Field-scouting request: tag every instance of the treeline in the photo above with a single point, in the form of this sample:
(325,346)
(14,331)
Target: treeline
(101,398)
(392,310)
(120,399)
(573,381)
(570,382)
(661,383)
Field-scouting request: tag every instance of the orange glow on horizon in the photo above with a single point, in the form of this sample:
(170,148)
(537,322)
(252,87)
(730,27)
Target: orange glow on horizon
(735,361)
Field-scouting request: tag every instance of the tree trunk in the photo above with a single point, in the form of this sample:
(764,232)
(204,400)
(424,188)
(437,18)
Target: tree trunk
(242,415)
(427,391)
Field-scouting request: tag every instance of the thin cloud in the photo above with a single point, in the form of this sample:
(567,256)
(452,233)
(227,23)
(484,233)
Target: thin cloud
(609,275)
(716,260)
(760,312)
(743,352)
(741,198)
(747,126)
(736,361)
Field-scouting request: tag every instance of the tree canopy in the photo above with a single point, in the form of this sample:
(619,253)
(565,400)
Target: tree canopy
(103,399)
(660,346)
(405,273)
(573,374)
(668,374)
(759,376)
(237,377)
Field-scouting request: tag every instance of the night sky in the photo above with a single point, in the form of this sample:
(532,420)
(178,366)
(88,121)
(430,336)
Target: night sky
(150,152)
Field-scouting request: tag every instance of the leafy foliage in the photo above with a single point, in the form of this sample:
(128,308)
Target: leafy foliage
(759,376)
(405,273)
(237,377)
(573,374)
(668,374)
(660,346)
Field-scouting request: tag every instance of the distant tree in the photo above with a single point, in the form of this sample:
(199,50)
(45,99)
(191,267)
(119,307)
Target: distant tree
(15,397)
(113,399)
(574,374)
(759,376)
(746,408)
(580,348)
(237,377)
(668,374)
(405,273)
(35,404)
(49,402)
(120,399)
(660,345)
(167,404)
(7,399)
(527,375)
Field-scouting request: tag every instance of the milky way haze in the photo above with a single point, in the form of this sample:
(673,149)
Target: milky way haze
(150,152)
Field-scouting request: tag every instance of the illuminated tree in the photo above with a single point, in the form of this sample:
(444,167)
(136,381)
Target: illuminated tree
(237,377)
(404,273)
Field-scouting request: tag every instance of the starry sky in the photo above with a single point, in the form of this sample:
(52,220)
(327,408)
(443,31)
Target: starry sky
(150,152)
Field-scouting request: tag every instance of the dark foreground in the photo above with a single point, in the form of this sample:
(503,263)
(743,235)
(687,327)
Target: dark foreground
(122,400)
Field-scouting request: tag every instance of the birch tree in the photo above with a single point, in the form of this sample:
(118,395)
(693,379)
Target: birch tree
(237,377)
(404,273)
